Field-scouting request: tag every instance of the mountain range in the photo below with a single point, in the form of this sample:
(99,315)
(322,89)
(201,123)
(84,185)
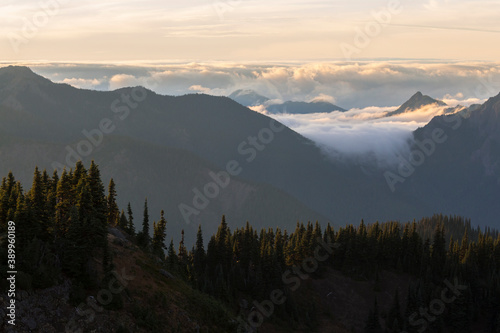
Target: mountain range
(169,148)
(251,98)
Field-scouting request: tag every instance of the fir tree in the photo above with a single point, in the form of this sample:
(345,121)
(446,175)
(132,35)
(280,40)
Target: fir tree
(130,224)
(112,207)
(123,221)
(159,235)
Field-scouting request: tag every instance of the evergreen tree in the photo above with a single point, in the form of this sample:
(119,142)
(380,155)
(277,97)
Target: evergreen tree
(112,207)
(143,238)
(199,259)
(130,224)
(159,235)
(394,317)
(36,201)
(123,221)
(172,259)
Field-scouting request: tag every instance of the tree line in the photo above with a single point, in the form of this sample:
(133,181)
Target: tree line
(62,222)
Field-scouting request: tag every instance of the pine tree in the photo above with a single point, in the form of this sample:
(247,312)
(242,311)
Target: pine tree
(98,200)
(222,243)
(394,317)
(112,207)
(199,259)
(182,256)
(75,252)
(65,198)
(143,238)
(36,201)
(130,224)
(96,189)
(123,221)
(172,259)
(159,235)
(79,173)
(182,253)
(438,255)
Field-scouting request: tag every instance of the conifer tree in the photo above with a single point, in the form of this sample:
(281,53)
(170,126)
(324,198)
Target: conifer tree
(159,235)
(36,197)
(199,259)
(172,259)
(130,224)
(123,221)
(182,253)
(112,207)
(98,200)
(143,238)
(65,198)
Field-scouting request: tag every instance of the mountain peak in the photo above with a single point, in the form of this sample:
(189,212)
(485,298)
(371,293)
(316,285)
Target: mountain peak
(487,117)
(16,69)
(248,97)
(415,102)
(15,75)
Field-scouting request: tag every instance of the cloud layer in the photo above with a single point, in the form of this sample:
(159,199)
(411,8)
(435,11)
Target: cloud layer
(348,84)
(361,133)
(367,89)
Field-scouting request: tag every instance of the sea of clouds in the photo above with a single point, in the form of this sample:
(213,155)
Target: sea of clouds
(368,90)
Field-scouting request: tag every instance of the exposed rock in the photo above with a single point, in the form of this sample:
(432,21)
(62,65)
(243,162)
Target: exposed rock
(117,233)
(166,274)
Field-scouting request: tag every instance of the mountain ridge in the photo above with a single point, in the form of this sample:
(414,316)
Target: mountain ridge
(417,101)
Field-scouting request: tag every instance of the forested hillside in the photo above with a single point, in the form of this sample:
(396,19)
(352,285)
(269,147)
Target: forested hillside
(438,274)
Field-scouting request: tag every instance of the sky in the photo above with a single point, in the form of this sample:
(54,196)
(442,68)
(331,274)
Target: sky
(365,56)
(248,30)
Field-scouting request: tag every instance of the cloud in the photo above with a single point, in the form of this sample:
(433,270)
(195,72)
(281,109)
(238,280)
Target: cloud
(82,83)
(361,133)
(346,84)
(123,80)
(368,89)
(324,98)
(200,89)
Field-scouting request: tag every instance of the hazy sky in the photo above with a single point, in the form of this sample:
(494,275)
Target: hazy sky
(248,30)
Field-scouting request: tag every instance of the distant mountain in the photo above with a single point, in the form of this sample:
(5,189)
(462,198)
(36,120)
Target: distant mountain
(280,171)
(303,107)
(251,98)
(165,147)
(416,102)
(461,170)
(40,122)
(248,97)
